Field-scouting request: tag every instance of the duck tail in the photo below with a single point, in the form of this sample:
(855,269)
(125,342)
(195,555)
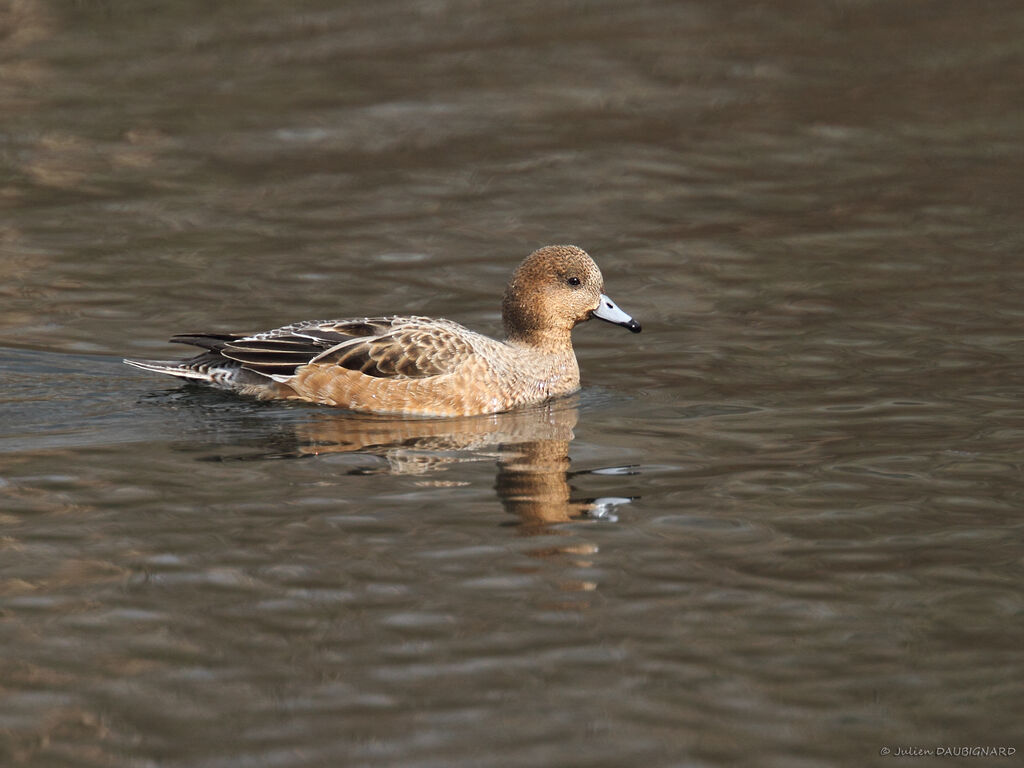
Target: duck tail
(179,368)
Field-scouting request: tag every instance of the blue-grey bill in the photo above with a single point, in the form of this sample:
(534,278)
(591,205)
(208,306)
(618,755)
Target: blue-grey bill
(609,311)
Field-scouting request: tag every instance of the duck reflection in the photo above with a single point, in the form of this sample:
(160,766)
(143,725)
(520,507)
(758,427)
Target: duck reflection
(530,448)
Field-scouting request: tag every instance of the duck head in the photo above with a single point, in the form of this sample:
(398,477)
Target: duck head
(554,289)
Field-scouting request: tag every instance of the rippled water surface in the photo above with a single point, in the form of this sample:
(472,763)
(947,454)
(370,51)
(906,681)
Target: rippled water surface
(781,527)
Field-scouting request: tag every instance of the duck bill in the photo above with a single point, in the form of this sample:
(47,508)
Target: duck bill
(609,311)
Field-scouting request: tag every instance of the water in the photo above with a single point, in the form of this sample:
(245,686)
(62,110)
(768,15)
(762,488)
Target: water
(779,528)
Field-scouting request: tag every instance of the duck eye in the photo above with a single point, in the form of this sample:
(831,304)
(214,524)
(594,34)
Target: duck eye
(573,281)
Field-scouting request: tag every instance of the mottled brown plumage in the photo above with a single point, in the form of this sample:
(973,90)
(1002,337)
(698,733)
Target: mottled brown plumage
(417,365)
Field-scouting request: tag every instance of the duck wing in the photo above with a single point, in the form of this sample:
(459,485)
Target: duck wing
(383,347)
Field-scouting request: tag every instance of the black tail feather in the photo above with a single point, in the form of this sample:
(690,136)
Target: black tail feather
(212,341)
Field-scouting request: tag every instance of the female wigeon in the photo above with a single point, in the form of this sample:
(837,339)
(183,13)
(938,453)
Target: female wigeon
(417,365)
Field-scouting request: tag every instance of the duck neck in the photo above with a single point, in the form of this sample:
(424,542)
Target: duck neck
(549,340)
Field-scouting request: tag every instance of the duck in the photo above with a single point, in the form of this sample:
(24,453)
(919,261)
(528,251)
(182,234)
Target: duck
(418,366)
